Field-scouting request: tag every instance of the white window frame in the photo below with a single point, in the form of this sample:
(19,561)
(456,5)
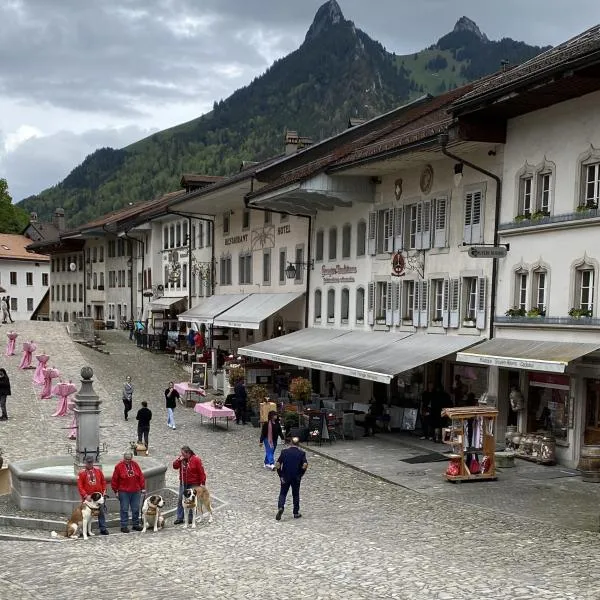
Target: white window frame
(381,295)
(318,305)
(331,305)
(332,243)
(360,304)
(407,303)
(584,287)
(526,205)
(591,200)
(544,191)
(346,240)
(266,266)
(521,289)
(437,301)
(345,305)
(540,290)
(320,245)
(361,238)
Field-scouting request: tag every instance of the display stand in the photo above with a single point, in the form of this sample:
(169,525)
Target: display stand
(465,421)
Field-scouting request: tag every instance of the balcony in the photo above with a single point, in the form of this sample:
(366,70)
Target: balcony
(523,223)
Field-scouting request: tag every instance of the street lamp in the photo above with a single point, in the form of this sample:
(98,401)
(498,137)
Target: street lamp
(291,269)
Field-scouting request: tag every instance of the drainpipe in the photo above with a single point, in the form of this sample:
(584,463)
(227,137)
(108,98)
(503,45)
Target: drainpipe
(443,140)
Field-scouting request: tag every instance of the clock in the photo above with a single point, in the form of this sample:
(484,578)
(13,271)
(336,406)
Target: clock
(426,181)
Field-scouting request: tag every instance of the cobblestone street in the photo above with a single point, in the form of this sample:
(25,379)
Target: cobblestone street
(360,537)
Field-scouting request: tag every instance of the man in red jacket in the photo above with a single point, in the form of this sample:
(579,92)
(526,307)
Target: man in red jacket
(128,484)
(90,480)
(191,474)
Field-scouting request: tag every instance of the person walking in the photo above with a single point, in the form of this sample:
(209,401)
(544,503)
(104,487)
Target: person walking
(4,392)
(128,484)
(127,396)
(291,466)
(5,305)
(171,397)
(269,434)
(90,480)
(191,474)
(143,417)
(241,398)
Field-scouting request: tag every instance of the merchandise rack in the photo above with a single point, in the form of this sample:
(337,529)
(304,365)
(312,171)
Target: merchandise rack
(453,436)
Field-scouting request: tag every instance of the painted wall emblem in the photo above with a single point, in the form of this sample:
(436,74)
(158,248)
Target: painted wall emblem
(398,265)
(426,181)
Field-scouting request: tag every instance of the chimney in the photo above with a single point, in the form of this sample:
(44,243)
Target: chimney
(295,142)
(504,65)
(59,219)
(33,218)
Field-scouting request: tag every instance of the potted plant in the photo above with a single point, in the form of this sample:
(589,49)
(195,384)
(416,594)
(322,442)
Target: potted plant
(468,322)
(536,312)
(291,420)
(515,312)
(522,217)
(587,205)
(540,214)
(236,372)
(578,313)
(437,320)
(300,389)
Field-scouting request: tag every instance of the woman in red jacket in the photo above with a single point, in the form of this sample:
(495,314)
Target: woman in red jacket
(128,484)
(191,474)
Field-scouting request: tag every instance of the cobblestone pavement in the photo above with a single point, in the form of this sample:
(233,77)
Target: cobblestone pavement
(360,537)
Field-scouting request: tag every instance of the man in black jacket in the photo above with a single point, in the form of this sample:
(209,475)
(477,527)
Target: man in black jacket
(144,416)
(291,466)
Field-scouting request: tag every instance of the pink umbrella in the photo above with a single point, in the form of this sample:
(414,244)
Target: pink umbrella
(38,376)
(28,349)
(63,391)
(12,342)
(49,375)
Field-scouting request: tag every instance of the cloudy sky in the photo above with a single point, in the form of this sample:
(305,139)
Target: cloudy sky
(76,75)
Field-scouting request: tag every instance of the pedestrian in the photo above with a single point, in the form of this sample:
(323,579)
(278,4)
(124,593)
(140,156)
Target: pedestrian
(4,306)
(127,396)
(458,391)
(190,339)
(131,327)
(8,309)
(291,466)
(191,474)
(171,397)
(143,417)
(426,418)
(269,434)
(90,480)
(199,342)
(241,398)
(4,392)
(128,484)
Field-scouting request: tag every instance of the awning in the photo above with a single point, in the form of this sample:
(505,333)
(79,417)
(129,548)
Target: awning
(249,313)
(165,302)
(209,308)
(376,356)
(526,354)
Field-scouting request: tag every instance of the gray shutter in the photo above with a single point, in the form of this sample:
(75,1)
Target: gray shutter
(371,234)
(439,222)
(416,302)
(477,218)
(468,218)
(481,302)
(388,230)
(398,227)
(424,317)
(397,315)
(454,302)
(389,303)
(446,303)
(426,225)
(371,304)
(419,226)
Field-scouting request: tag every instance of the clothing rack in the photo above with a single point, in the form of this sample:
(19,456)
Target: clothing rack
(471,436)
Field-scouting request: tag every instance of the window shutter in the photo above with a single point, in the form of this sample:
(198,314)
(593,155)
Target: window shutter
(397,315)
(372,233)
(481,302)
(398,227)
(388,230)
(389,303)
(477,218)
(407,228)
(468,218)
(423,317)
(446,303)
(454,303)
(419,227)
(440,220)
(416,302)
(426,225)
(371,304)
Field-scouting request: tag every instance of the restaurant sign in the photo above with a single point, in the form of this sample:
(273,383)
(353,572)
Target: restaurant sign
(338,274)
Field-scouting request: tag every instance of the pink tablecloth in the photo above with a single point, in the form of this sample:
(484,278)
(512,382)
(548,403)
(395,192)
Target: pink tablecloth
(184,388)
(206,409)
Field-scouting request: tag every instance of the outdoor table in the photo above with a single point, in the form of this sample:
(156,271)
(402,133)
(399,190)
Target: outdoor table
(186,390)
(206,409)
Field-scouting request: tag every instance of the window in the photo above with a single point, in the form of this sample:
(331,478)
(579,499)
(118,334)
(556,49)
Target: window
(184,238)
(111,245)
(52,293)
(360,305)
(474,302)
(226,222)
(101,255)
(473,217)
(408,299)
(94,255)
(361,238)
(81,292)
(225,268)
(245,269)
(62,293)
(345,305)
(178,235)
(383,230)
(299,266)
(418,225)
(470,303)
(525,195)
(200,235)
(318,302)
(319,245)
(540,282)
(101,281)
(592,185)
(381,295)
(282,265)
(68,293)
(28,278)
(266,266)
(14,305)
(346,241)
(543,193)
(332,243)
(13,278)
(584,289)
(331,306)
(95,280)
(193,238)
(268,215)
(29,304)
(245,219)
(521,291)
(437,301)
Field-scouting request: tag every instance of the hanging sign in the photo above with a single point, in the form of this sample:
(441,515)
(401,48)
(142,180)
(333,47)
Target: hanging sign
(398,265)
(487,251)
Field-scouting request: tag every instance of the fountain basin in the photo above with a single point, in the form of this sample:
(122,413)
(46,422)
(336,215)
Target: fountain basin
(49,484)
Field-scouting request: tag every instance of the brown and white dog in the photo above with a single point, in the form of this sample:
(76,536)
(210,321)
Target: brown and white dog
(152,512)
(81,518)
(193,499)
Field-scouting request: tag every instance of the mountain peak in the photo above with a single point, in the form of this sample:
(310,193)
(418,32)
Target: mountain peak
(329,14)
(466,24)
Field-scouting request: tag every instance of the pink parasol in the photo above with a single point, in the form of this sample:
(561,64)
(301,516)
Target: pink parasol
(12,342)
(63,391)
(49,375)
(28,349)
(38,376)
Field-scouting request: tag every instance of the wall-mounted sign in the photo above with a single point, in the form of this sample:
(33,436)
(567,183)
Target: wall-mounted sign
(487,251)
(398,265)
(263,237)
(284,229)
(338,274)
(236,239)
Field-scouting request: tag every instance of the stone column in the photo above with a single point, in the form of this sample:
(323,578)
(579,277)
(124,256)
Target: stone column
(87,417)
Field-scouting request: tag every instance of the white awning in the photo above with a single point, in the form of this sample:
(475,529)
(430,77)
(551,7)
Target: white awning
(165,302)
(526,354)
(249,313)
(376,356)
(209,308)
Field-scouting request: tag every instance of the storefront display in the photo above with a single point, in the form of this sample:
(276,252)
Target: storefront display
(548,407)
(592,412)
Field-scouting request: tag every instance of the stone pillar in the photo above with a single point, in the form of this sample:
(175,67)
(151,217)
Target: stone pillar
(492,400)
(87,417)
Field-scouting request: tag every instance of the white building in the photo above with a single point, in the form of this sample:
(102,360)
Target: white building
(24,276)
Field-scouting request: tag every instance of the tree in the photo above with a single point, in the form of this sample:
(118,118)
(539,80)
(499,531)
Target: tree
(12,218)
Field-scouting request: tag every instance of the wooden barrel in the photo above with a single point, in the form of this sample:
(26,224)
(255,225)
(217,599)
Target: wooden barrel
(589,463)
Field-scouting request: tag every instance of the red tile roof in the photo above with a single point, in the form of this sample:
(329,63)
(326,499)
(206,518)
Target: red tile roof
(14,246)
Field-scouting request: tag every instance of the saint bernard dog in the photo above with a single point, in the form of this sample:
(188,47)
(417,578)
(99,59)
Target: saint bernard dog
(81,518)
(193,499)
(152,512)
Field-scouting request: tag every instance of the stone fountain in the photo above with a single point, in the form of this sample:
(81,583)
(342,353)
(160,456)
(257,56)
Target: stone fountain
(49,484)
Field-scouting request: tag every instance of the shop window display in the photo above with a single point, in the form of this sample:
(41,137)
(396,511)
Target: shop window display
(548,404)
